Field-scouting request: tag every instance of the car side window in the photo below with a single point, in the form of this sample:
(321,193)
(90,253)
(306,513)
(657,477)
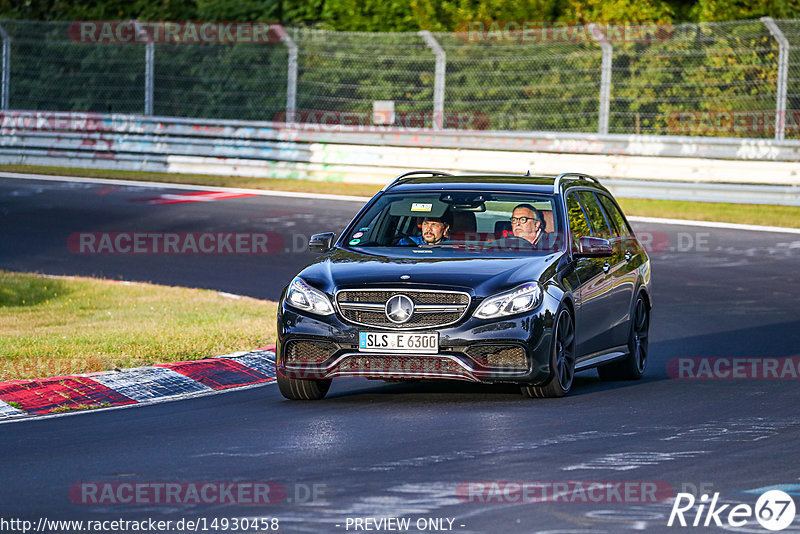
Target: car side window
(621,227)
(595,214)
(577,221)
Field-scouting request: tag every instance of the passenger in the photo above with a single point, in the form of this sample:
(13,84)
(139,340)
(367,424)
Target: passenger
(435,231)
(527,223)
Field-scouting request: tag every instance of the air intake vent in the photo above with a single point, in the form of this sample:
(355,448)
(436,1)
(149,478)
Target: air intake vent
(503,356)
(315,352)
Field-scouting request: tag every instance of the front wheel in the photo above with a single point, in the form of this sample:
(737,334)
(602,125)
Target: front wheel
(302,389)
(633,365)
(562,360)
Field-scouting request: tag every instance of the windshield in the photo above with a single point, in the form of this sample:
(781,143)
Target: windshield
(465,221)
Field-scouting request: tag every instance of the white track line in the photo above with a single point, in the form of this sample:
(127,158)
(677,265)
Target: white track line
(188,187)
(322,196)
(712,224)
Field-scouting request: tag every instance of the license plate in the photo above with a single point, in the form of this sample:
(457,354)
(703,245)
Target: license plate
(398,342)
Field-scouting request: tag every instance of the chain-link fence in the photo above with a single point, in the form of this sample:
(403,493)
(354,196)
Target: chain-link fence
(735,79)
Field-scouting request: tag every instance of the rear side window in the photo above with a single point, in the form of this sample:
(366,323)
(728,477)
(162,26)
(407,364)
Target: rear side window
(595,214)
(618,222)
(578,225)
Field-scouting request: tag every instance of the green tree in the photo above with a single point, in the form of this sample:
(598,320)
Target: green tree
(618,10)
(368,15)
(98,10)
(436,15)
(302,11)
(723,10)
(243,10)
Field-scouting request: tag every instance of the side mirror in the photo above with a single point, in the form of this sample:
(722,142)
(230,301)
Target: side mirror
(593,247)
(321,242)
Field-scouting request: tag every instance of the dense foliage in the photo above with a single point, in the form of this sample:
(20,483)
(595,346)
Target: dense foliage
(399,15)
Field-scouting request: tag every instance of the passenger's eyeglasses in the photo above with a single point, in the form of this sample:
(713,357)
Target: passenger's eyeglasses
(522,220)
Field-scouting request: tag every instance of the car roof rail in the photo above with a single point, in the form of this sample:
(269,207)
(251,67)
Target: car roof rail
(568,175)
(403,176)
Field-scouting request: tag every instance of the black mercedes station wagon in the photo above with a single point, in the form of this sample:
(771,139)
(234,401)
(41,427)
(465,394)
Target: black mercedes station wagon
(490,279)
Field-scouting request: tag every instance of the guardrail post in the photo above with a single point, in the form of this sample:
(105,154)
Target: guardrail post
(783,72)
(438,78)
(5,79)
(605,77)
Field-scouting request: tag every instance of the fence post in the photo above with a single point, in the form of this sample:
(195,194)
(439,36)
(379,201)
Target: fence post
(149,65)
(148,77)
(783,72)
(291,74)
(605,77)
(438,78)
(5,80)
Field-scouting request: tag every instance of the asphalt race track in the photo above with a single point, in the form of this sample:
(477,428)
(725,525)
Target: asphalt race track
(418,451)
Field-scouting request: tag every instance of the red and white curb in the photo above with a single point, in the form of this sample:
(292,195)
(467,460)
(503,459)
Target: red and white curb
(25,398)
(196,196)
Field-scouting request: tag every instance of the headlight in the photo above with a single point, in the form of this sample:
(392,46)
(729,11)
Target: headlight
(520,299)
(304,297)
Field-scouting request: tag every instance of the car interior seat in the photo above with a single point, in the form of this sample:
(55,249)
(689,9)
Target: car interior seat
(464,225)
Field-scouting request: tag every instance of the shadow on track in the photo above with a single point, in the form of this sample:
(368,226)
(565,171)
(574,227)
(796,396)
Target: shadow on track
(777,340)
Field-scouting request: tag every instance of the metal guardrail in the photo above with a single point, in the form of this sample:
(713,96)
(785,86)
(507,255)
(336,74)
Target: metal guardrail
(13,122)
(705,192)
(687,168)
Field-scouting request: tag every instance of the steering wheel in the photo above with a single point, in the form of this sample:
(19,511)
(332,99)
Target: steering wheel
(396,241)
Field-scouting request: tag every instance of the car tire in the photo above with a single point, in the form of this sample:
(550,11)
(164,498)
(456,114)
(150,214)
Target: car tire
(302,389)
(632,367)
(562,359)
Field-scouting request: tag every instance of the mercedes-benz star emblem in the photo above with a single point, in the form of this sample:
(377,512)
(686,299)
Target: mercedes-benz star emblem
(399,309)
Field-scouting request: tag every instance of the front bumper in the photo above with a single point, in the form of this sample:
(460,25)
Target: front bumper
(511,349)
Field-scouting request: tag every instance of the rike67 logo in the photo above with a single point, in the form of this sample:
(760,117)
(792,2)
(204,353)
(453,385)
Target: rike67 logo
(774,510)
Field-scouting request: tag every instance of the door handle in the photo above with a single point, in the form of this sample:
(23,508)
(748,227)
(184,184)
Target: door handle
(606,267)
(627,255)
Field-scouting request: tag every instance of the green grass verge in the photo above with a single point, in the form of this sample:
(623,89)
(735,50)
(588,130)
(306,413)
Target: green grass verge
(67,325)
(760,214)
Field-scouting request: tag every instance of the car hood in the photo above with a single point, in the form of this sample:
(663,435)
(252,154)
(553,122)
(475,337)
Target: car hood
(481,276)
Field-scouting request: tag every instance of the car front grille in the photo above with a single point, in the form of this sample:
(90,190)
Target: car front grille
(504,356)
(432,309)
(309,351)
(402,366)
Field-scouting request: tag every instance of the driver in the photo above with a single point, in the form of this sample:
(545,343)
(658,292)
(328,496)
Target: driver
(527,223)
(434,232)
